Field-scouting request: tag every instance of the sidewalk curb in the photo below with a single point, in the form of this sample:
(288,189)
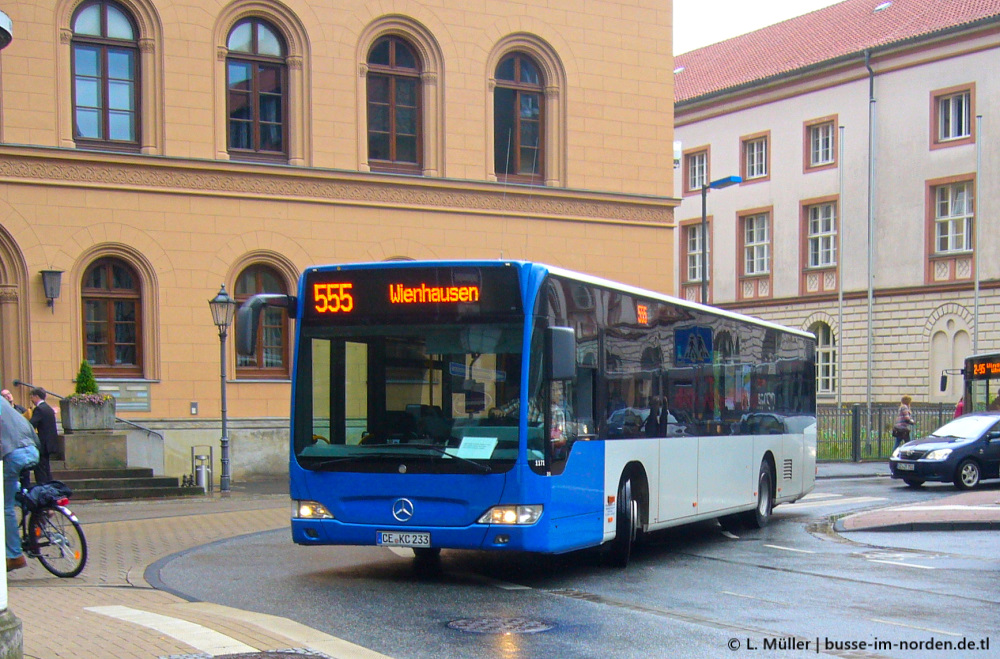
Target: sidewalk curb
(983,525)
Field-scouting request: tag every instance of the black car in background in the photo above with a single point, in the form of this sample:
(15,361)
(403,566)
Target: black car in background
(963,451)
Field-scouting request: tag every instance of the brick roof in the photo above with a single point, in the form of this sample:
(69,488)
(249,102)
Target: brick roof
(843,29)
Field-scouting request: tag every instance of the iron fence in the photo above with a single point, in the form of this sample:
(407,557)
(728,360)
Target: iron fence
(847,434)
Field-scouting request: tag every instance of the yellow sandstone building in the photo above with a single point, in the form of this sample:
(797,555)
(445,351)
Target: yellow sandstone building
(153,150)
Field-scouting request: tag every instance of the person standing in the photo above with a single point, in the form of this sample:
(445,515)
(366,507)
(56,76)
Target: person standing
(9,397)
(19,451)
(960,407)
(43,418)
(904,421)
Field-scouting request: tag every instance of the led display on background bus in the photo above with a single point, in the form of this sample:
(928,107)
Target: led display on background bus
(342,296)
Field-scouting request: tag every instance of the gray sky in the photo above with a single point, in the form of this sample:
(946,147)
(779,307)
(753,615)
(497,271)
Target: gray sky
(699,23)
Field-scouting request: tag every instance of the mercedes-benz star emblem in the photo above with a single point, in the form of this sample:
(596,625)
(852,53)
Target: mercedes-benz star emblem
(402,509)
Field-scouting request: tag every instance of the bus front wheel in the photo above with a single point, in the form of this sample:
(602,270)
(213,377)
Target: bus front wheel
(627,525)
(761,514)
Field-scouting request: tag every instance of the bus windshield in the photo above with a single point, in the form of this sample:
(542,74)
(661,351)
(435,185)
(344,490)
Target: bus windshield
(443,397)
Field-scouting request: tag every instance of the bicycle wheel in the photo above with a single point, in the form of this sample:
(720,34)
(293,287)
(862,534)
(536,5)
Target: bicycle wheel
(57,541)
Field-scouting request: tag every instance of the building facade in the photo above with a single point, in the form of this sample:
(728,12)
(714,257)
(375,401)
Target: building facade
(868,203)
(153,150)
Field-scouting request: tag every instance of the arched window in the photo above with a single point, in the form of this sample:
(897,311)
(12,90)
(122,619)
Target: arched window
(270,358)
(826,358)
(112,318)
(394,92)
(105,65)
(256,81)
(518,109)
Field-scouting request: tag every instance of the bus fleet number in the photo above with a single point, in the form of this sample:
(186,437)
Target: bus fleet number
(333,298)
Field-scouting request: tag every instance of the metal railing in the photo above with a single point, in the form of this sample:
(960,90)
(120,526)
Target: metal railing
(847,434)
(19,383)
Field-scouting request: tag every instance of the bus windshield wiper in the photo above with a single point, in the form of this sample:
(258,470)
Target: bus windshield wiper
(442,451)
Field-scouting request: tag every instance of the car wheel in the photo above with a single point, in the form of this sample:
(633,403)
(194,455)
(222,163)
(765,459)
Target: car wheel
(913,482)
(761,514)
(967,474)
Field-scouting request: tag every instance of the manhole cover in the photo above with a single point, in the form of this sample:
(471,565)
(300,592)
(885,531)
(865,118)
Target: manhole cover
(500,626)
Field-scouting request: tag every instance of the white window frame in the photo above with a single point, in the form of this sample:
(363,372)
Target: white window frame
(755,154)
(822,235)
(821,144)
(697,164)
(693,237)
(756,245)
(826,358)
(955,116)
(953,216)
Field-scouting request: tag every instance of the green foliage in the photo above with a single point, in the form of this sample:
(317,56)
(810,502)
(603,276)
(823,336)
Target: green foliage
(85,382)
(86,388)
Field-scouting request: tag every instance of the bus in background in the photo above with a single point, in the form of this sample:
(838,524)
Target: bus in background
(981,380)
(505,405)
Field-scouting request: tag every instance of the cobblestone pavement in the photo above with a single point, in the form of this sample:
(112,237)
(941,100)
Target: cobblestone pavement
(109,611)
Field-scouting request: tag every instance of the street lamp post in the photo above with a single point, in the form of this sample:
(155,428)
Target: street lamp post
(714,185)
(223,309)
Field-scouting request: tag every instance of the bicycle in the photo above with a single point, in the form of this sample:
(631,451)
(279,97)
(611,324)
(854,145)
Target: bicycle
(50,532)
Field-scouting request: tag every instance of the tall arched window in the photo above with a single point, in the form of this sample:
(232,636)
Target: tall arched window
(256,81)
(826,358)
(112,322)
(105,65)
(270,358)
(394,92)
(518,107)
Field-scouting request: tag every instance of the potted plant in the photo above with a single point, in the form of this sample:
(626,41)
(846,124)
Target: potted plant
(87,409)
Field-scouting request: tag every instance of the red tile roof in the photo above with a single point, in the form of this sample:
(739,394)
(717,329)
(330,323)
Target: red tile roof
(826,34)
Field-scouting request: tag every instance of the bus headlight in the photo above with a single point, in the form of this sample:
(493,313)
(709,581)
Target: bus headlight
(310,510)
(512,515)
(938,455)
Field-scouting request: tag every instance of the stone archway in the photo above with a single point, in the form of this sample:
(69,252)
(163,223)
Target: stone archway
(15,358)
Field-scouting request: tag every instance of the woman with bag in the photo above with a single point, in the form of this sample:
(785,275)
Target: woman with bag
(904,421)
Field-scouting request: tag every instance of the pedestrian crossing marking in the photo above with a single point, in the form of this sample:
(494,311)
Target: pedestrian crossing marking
(202,638)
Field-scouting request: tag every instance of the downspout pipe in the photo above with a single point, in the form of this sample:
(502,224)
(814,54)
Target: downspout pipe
(871,233)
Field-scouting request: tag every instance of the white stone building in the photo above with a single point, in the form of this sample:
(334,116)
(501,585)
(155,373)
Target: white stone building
(867,174)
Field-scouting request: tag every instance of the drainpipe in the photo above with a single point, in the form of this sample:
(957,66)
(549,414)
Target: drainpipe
(871,231)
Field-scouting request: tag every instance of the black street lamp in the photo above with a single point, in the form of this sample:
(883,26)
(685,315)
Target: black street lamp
(223,309)
(714,185)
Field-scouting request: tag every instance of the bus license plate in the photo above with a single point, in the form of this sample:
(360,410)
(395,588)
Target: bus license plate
(904,466)
(395,539)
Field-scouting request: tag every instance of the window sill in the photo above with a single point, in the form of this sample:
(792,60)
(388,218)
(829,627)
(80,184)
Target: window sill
(950,255)
(240,380)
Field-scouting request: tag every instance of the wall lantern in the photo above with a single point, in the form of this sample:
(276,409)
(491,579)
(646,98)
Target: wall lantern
(52,282)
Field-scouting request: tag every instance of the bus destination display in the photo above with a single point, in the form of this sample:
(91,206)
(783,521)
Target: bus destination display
(986,369)
(339,295)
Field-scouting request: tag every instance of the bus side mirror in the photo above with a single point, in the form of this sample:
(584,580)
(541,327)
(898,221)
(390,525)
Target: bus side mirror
(560,357)
(944,382)
(248,318)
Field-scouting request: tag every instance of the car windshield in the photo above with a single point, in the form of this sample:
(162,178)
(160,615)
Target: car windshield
(965,427)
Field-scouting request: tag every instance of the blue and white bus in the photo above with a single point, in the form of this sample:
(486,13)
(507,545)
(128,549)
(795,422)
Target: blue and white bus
(514,406)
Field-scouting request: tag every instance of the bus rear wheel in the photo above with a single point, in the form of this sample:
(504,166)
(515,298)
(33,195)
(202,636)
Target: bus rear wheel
(761,514)
(627,525)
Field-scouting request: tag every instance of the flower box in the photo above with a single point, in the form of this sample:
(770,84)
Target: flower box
(80,415)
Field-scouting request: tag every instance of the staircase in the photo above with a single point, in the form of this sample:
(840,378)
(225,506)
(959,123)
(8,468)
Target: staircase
(118,484)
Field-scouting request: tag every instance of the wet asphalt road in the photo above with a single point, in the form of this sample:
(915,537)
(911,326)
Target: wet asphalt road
(695,591)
